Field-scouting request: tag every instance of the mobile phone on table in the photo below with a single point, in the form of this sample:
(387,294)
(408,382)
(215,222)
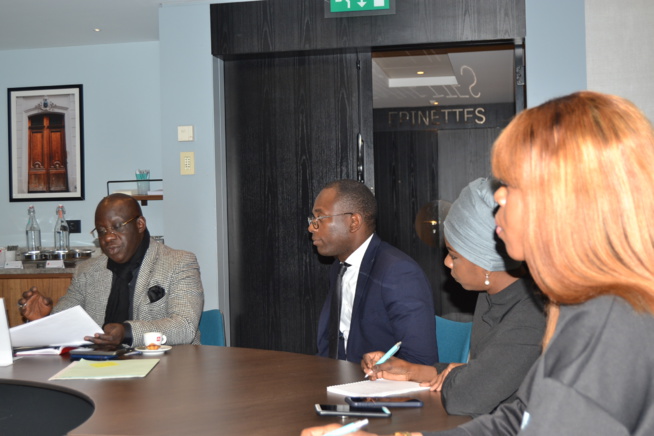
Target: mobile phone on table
(367,402)
(98,352)
(347,410)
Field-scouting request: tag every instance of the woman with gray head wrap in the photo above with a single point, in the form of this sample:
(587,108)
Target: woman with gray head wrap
(470,228)
(508,322)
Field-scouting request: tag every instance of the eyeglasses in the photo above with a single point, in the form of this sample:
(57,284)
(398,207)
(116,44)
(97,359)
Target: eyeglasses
(315,221)
(117,228)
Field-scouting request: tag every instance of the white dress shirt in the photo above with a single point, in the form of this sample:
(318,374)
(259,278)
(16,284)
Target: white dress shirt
(350,287)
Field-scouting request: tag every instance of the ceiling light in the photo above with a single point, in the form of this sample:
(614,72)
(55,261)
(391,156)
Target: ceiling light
(96,30)
(434,102)
(421,81)
(420,72)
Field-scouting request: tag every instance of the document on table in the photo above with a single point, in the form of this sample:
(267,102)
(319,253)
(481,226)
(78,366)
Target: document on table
(93,369)
(377,388)
(42,351)
(67,327)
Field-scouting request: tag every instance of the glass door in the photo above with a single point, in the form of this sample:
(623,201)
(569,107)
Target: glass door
(436,114)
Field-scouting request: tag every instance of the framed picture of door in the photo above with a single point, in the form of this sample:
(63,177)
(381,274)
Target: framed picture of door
(46,143)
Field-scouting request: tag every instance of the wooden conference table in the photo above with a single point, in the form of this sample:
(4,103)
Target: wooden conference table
(198,390)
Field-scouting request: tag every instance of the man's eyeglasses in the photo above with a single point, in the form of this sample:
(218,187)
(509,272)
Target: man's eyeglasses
(315,221)
(100,232)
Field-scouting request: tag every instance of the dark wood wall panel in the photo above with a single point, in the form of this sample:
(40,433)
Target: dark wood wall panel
(415,168)
(290,129)
(464,156)
(299,25)
(467,153)
(406,178)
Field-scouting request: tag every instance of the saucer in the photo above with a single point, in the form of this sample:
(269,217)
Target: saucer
(147,352)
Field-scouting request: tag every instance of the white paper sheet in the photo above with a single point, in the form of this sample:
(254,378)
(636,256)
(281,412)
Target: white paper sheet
(377,388)
(63,328)
(6,357)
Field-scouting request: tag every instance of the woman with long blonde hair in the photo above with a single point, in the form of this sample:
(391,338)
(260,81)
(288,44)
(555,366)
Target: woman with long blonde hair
(576,204)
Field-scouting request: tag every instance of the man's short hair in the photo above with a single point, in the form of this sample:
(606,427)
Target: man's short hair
(356,197)
(117,196)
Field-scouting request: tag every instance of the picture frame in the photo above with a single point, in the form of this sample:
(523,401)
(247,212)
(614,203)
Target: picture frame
(46,143)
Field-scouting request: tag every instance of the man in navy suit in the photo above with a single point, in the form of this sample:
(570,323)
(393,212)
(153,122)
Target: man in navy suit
(385,295)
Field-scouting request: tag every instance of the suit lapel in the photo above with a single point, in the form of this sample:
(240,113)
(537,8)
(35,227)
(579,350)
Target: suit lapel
(143,279)
(364,273)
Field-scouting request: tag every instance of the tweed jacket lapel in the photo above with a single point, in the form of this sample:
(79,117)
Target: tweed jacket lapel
(146,272)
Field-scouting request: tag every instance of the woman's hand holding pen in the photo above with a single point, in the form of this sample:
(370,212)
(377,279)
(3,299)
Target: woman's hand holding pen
(319,431)
(396,369)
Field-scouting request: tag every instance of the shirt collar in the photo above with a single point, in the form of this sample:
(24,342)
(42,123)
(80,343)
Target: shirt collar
(355,259)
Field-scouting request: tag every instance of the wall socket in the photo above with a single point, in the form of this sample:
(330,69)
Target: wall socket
(74,226)
(187,163)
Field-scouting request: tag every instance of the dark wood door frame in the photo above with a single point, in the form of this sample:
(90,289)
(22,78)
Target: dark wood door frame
(277,283)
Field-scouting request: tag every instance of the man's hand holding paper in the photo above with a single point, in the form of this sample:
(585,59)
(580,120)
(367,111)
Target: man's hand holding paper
(68,327)
(113,335)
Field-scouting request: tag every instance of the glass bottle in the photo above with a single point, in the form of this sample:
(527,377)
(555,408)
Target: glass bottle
(33,232)
(61,232)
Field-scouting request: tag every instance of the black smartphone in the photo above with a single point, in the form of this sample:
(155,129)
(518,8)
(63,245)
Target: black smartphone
(367,402)
(98,352)
(347,410)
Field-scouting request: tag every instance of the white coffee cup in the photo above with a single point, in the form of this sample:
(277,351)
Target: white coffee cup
(154,338)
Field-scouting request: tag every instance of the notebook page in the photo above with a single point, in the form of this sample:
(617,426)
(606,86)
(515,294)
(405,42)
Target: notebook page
(377,388)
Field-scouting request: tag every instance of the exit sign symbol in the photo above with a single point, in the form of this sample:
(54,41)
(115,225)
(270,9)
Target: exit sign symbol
(360,5)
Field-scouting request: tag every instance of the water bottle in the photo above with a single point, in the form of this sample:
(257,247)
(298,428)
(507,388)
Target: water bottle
(61,232)
(33,232)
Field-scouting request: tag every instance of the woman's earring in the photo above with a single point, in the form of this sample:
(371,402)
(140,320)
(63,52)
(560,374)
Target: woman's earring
(487,282)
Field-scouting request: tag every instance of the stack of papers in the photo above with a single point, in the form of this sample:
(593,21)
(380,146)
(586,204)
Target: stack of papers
(67,327)
(377,388)
(42,351)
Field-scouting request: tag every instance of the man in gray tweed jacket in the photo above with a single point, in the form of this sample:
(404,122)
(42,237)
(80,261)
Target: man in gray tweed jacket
(137,285)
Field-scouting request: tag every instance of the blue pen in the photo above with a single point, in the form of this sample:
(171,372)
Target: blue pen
(388,355)
(349,428)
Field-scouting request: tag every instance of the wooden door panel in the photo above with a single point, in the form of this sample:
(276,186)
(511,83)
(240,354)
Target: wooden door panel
(47,154)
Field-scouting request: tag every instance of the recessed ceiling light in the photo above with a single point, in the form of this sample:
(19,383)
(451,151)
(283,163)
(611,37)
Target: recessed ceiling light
(434,102)
(420,72)
(96,30)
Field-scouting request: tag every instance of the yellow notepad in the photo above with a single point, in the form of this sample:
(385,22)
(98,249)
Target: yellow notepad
(103,369)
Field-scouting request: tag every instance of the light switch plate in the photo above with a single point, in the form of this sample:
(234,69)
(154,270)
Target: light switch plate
(184,133)
(187,163)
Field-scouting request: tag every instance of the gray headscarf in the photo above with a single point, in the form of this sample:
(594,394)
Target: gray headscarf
(470,227)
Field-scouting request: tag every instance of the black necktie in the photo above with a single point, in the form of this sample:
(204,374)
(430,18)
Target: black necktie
(335,313)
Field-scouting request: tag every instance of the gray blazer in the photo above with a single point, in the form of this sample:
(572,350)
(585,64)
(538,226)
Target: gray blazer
(176,314)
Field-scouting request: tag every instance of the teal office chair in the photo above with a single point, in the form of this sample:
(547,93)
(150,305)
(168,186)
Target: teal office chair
(212,328)
(453,338)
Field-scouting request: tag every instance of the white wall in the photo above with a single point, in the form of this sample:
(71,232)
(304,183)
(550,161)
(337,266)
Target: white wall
(122,119)
(619,50)
(135,96)
(555,49)
(195,211)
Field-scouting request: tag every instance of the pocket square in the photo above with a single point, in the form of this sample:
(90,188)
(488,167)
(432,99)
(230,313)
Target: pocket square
(156,293)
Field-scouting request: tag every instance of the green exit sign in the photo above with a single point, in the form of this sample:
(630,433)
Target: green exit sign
(358,5)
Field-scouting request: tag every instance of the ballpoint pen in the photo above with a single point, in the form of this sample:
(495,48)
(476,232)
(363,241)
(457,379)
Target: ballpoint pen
(349,428)
(388,355)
